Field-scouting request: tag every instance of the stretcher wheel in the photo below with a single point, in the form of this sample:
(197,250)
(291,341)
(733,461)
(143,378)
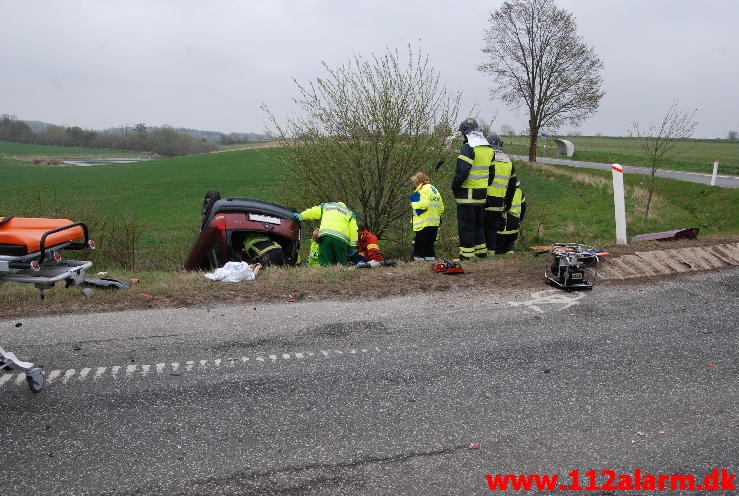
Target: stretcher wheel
(35,379)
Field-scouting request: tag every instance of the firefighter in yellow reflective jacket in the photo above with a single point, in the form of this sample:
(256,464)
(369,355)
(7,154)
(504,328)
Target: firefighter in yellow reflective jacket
(501,187)
(469,186)
(512,219)
(427,207)
(260,248)
(337,233)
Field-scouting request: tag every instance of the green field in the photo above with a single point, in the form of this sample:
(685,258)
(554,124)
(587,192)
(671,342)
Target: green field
(162,199)
(163,196)
(696,155)
(24,149)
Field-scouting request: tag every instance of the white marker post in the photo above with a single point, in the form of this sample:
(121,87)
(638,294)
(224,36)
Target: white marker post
(715,171)
(618,202)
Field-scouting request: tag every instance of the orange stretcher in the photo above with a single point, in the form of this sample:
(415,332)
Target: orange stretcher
(23,235)
(30,251)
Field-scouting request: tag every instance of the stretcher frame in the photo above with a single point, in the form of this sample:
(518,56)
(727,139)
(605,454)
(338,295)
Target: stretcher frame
(34,373)
(45,267)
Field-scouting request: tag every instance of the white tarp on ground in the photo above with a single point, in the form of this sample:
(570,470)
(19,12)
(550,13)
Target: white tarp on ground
(233,272)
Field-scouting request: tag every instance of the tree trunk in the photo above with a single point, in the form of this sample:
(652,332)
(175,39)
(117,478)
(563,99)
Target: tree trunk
(649,196)
(533,138)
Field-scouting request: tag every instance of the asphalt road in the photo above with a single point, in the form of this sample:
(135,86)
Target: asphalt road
(383,397)
(722,180)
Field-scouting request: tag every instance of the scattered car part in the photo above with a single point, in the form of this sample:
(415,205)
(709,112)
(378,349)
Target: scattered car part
(687,233)
(105,283)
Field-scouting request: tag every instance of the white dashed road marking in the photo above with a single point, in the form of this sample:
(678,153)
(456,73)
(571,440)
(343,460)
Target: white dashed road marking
(133,371)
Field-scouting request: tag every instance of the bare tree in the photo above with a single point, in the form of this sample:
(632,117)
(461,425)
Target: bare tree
(661,141)
(363,129)
(538,61)
(507,130)
(732,135)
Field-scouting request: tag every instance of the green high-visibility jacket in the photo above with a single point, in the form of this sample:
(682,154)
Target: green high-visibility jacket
(336,219)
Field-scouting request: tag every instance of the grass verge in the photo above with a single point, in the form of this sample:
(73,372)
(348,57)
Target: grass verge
(158,289)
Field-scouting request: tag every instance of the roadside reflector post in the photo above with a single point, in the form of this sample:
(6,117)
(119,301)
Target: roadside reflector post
(715,171)
(618,202)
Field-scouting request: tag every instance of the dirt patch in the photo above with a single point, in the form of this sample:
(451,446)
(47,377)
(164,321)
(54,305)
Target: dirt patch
(53,162)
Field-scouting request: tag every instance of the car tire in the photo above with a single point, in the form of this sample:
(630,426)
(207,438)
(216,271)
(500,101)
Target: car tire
(211,197)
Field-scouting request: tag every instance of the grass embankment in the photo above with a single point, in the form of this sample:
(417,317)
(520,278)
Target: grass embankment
(162,200)
(696,155)
(10,150)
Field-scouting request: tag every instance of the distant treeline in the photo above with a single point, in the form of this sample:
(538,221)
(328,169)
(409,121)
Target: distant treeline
(161,141)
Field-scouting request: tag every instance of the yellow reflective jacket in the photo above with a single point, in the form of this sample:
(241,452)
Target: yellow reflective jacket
(427,206)
(312,260)
(501,172)
(267,245)
(471,175)
(512,217)
(336,219)
(518,199)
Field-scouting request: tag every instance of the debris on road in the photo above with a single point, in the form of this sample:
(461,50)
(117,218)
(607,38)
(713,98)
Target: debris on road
(105,283)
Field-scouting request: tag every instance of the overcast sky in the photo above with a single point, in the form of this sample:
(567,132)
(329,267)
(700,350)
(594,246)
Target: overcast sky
(211,64)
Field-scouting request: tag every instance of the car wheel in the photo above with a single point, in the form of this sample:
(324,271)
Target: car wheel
(211,197)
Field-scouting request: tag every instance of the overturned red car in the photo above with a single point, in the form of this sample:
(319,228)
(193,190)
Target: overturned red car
(230,223)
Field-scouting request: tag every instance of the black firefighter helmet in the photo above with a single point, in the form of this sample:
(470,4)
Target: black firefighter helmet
(468,125)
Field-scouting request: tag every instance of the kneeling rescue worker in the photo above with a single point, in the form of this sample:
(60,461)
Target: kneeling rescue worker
(470,186)
(337,233)
(368,247)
